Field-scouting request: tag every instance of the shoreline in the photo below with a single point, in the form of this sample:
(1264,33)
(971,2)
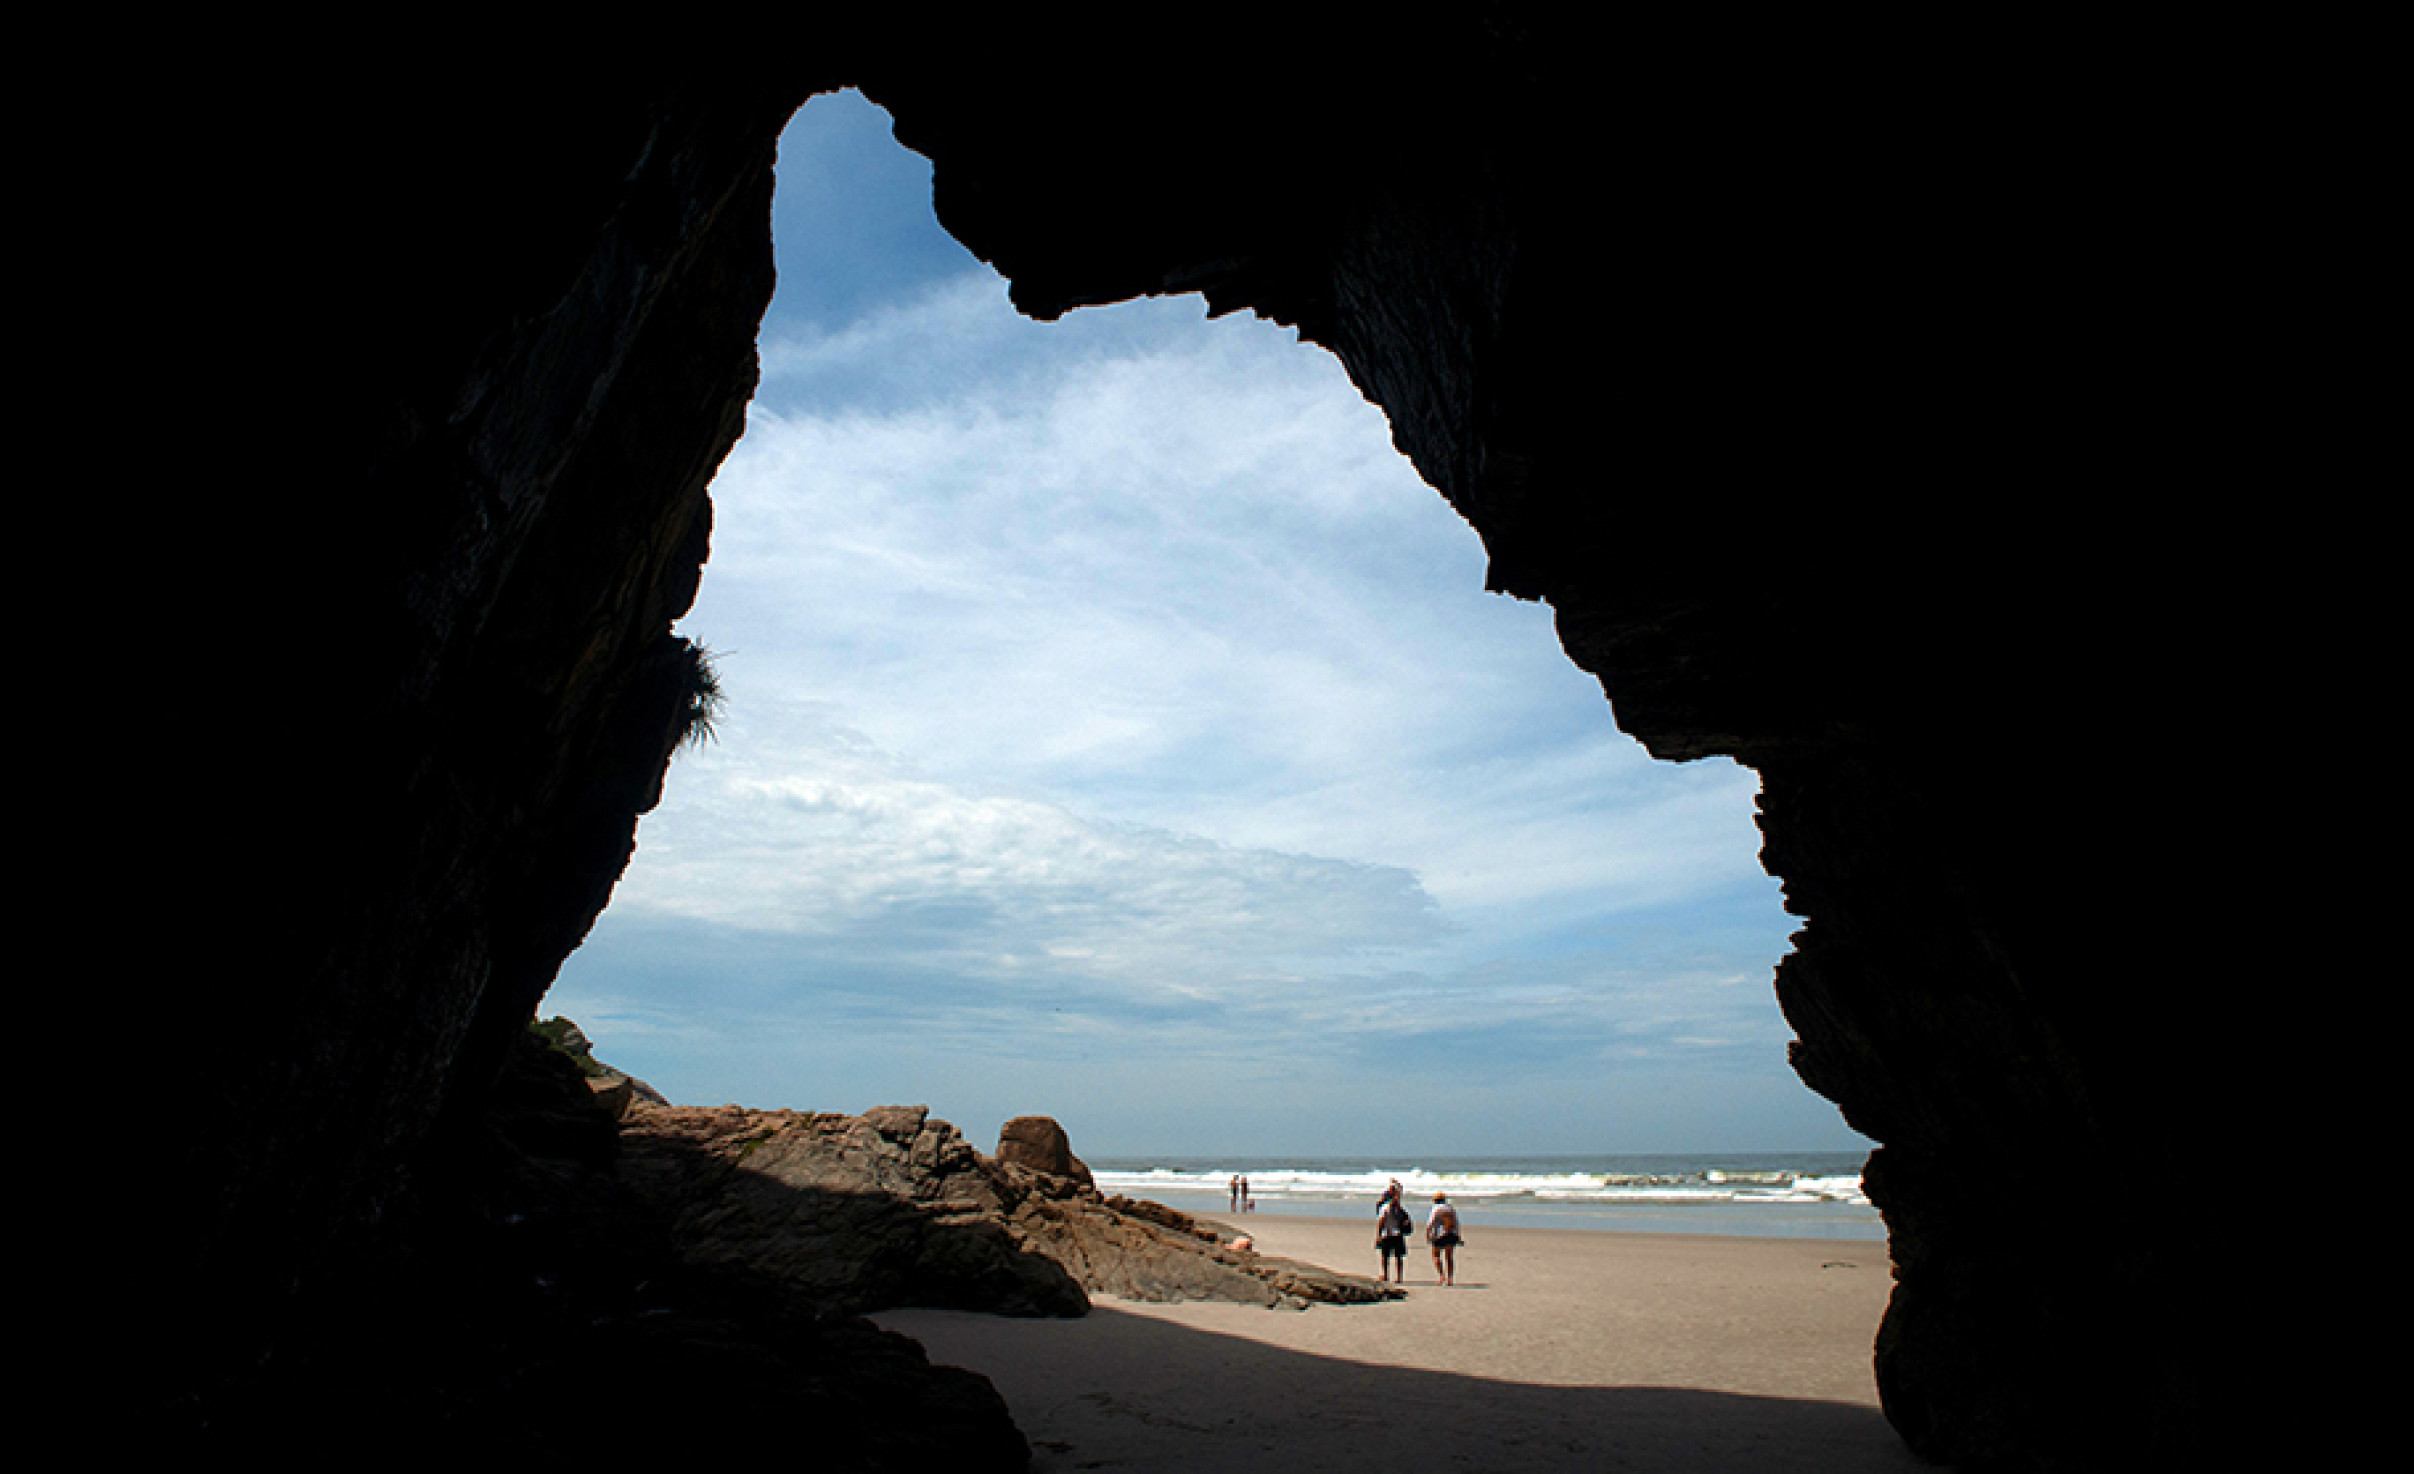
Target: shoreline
(1557,1349)
(1738,1194)
(1643,1219)
(1321,1224)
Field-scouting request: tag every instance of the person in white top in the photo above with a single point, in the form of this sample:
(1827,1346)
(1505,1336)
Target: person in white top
(1441,1231)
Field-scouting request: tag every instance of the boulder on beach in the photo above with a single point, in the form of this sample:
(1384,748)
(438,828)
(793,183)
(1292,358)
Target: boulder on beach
(1038,1143)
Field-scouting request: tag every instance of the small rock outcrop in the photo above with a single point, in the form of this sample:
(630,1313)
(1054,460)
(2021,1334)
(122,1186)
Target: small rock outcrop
(857,1213)
(613,1089)
(1038,1143)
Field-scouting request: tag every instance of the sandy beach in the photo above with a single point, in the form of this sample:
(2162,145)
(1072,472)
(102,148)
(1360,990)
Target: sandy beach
(1554,1351)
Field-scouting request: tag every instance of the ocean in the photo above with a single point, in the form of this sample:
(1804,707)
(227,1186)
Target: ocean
(1811,1195)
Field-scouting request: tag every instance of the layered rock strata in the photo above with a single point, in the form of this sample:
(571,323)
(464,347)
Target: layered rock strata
(894,1208)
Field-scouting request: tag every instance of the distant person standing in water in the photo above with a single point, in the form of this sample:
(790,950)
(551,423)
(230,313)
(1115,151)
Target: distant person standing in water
(1441,1230)
(1236,1192)
(1392,1227)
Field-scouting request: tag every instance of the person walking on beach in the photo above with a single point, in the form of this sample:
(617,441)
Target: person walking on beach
(1441,1230)
(1392,1227)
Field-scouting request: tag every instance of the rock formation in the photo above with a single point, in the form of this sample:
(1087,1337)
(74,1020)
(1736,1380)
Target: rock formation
(1038,1143)
(525,1299)
(1829,401)
(892,1208)
(615,1090)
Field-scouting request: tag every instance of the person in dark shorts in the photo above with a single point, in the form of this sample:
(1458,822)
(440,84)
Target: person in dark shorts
(1441,1230)
(1392,1227)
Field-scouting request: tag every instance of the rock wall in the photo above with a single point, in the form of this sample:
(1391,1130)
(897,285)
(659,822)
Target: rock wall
(1826,400)
(542,349)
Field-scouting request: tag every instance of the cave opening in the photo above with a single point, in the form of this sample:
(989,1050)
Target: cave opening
(570,272)
(1117,726)
(563,278)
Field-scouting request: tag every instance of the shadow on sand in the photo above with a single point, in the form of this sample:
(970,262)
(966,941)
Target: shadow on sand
(1117,1390)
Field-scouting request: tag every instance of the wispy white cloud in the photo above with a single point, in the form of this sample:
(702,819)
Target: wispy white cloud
(834,841)
(1181,574)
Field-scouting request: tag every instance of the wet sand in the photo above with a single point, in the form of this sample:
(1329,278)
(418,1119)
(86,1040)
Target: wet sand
(1554,1351)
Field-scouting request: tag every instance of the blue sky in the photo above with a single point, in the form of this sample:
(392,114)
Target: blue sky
(1118,730)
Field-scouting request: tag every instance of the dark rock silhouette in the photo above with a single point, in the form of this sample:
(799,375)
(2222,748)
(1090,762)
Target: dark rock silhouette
(1823,398)
(522,1296)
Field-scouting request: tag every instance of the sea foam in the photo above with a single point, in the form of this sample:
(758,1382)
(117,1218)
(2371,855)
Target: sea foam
(1677,1182)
